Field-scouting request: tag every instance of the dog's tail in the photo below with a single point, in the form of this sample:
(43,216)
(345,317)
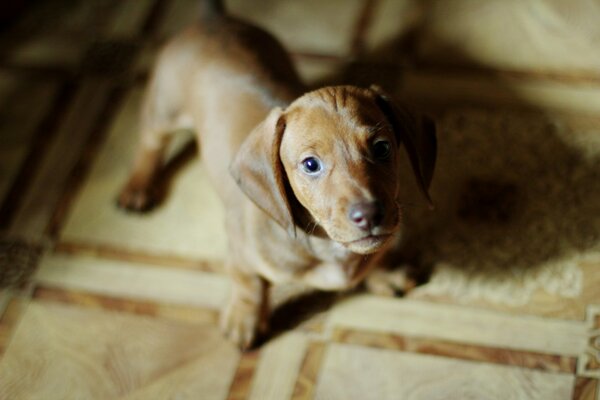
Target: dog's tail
(211,9)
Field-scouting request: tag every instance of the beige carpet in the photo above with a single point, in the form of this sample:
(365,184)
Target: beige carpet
(517,206)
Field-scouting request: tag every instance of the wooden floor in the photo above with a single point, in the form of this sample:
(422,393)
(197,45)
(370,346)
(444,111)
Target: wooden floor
(100,304)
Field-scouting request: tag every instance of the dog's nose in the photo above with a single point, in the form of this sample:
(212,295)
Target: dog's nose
(366,215)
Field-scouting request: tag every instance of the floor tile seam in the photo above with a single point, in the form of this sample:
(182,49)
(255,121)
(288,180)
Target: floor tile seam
(403,343)
(118,88)
(136,257)
(579,386)
(243,378)
(588,357)
(442,104)
(12,324)
(581,77)
(592,352)
(158,377)
(90,150)
(310,369)
(120,304)
(241,387)
(45,133)
(466,311)
(576,77)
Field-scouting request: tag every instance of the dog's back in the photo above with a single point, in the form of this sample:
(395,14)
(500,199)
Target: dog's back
(220,77)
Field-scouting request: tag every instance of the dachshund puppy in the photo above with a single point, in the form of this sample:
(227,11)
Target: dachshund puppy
(309,180)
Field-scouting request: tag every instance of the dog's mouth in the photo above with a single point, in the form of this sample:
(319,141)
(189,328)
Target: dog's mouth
(368,244)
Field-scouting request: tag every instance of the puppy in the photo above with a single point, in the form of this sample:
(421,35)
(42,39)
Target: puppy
(309,181)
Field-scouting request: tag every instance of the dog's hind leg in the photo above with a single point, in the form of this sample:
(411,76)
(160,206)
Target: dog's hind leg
(138,193)
(160,118)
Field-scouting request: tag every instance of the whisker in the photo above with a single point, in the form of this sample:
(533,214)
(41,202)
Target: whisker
(313,228)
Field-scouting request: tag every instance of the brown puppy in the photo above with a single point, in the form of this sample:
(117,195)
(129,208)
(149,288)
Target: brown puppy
(310,182)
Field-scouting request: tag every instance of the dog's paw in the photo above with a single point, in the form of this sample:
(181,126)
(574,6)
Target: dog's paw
(136,198)
(390,283)
(241,325)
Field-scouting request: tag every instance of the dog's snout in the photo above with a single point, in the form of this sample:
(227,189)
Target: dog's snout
(366,215)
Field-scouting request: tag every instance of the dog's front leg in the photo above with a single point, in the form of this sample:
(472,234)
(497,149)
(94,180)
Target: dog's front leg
(391,278)
(247,312)
(390,282)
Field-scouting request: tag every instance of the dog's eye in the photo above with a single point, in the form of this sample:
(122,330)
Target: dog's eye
(311,165)
(381,149)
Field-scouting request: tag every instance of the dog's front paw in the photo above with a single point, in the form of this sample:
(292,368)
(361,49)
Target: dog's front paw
(136,198)
(390,283)
(241,324)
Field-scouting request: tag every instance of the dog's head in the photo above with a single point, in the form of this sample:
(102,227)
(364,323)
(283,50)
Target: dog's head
(334,155)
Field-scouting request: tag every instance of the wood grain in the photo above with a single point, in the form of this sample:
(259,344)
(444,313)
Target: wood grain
(136,257)
(309,372)
(61,351)
(586,389)
(278,366)
(391,375)
(242,381)
(133,281)
(9,318)
(461,324)
(148,308)
(126,306)
(34,215)
(523,359)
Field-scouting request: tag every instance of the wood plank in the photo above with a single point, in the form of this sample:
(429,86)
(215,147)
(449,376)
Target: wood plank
(313,25)
(34,215)
(25,127)
(81,167)
(12,310)
(188,224)
(586,389)
(460,351)
(278,367)
(460,324)
(309,372)
(136,257)
(128,280)
(547,35)
(176,312)
(244,375)
(390,375)
(67,352)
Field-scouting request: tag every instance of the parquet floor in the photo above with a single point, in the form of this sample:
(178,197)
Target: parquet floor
(99,304)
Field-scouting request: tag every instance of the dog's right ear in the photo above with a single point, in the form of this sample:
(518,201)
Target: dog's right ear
(417,134)
(258,170)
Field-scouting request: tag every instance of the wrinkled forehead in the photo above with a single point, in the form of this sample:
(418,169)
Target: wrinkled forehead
(335,108)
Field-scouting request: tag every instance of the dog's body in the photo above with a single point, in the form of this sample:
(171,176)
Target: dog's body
(310,182)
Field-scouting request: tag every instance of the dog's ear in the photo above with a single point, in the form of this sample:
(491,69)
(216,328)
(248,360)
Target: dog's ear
(258,170)
(418,134)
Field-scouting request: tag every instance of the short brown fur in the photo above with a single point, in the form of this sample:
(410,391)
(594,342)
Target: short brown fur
(235,86)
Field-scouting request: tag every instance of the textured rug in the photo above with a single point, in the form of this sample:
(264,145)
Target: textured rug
(517,206)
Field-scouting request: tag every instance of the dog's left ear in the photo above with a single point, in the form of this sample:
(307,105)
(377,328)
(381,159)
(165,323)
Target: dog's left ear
(418,135)
(258,170)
